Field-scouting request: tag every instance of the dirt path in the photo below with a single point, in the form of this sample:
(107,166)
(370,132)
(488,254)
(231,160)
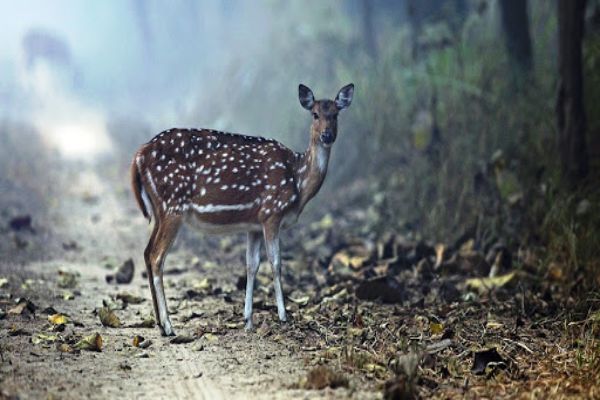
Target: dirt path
(97,227)
(369,317)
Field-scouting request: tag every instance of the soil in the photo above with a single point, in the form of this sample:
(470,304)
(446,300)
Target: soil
(90,229)
(394,317)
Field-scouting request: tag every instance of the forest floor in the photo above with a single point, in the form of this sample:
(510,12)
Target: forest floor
(388,317)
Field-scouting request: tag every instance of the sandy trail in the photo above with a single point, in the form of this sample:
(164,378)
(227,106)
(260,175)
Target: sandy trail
(107,229)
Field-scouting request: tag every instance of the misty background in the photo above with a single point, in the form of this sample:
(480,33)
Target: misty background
(452,130)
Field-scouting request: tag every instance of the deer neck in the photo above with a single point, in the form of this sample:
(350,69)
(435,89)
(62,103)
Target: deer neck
(311,169)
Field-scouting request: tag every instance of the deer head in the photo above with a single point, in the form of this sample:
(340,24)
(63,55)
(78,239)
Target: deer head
(323,129)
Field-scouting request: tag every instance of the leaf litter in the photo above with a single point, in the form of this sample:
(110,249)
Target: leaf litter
(397,315)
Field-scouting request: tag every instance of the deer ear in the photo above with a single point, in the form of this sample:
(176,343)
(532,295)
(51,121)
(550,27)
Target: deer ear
(307,99)
(344,97)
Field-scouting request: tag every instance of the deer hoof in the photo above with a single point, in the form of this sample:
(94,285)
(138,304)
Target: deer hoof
(249,327)
(167,330)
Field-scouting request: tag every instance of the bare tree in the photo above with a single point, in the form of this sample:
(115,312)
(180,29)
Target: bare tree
(515,22)
(569,106)
(368,29)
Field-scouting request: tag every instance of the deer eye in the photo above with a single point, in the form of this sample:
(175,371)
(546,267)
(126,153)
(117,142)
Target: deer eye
(315,116)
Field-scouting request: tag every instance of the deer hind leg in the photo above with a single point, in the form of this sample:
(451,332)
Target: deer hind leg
(148,260)
(165,235)
(271,232)
(252,264)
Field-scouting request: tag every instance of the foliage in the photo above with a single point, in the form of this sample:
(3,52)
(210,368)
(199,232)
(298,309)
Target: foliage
(444,142)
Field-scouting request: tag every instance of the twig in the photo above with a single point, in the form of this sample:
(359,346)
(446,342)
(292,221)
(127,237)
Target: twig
(521,345)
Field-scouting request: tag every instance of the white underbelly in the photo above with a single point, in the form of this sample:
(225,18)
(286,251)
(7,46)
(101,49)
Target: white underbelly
(219,229)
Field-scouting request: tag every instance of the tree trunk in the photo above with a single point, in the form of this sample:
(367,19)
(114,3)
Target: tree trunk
(569,106)
(515,23)
(368,29)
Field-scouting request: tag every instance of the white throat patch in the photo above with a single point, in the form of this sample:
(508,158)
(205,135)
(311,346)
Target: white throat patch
(322,158)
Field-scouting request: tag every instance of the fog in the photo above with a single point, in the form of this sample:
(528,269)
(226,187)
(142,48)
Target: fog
(70,66)
(435,88)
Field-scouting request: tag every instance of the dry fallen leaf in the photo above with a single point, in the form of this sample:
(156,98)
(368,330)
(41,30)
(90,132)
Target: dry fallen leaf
(64,348)
(181,339)
(436,328)
(302,300)
(58,319)
(108,318)
(555,272)
(137,339)
(147,322)
(42,337)
(129,298)
(92,342)
(485,284)
(321,377)
(67,280)
(493,325)
(482,359)
(202,284)
(22,307)
(211,338)
(440,248)
(67,295)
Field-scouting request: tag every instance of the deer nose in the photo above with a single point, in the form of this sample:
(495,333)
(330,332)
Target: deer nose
(327,137)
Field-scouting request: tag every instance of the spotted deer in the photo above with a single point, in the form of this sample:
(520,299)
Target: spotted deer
(224,183)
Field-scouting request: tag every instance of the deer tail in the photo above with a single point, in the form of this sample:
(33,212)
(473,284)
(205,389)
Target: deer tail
(141,196)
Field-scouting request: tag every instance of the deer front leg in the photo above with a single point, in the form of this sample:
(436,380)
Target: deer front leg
(271,232)
(252,264)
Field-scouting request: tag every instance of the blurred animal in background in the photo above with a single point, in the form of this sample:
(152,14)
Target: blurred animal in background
(39,45)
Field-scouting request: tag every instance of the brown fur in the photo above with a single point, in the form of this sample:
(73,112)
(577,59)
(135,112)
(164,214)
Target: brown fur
(222,179)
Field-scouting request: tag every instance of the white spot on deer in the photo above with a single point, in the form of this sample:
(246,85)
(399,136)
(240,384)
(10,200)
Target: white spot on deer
(178,134)
(158,168)
(224,187)
(234,170)
(154,154)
